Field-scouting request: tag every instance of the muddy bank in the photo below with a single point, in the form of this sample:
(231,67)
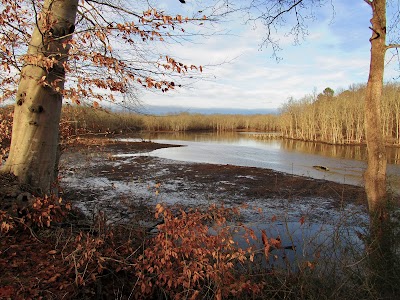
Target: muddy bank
(97,180)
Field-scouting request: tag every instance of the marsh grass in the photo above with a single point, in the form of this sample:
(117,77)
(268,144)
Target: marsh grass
(87,119)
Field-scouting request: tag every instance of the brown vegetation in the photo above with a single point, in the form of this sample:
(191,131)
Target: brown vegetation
(48,39)
(50,251)
(5,129)
(101,120)
(324,118)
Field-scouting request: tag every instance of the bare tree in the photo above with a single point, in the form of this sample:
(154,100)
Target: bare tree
(294,14)
(382,244)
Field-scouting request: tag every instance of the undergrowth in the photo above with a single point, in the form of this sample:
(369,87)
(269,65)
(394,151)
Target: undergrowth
(185,261)
(49,251)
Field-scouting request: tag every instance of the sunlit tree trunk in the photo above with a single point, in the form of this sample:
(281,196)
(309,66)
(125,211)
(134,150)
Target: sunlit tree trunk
(375,175)
(382,254)
(34,143)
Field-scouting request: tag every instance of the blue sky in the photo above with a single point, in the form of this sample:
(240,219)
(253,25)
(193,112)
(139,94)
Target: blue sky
(240,75)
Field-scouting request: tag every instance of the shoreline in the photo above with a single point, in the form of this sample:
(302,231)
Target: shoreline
(99,180)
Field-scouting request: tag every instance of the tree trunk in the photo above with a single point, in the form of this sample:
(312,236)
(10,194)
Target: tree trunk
(34,142)
(375,175)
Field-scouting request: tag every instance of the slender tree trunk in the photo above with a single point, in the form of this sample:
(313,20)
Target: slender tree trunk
(375,175)
(34,143)
(382,253)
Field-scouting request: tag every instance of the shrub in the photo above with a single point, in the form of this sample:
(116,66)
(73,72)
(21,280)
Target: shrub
(6,115)
(194,254)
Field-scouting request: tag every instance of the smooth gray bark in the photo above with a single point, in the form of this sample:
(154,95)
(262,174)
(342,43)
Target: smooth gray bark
(34,142)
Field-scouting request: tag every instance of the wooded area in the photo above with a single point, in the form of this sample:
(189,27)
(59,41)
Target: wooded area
(340,119)
(327,118)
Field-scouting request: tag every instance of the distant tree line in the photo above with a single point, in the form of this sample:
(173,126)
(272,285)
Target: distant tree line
(99,120)
(339,119)
(214,122)
(324,117)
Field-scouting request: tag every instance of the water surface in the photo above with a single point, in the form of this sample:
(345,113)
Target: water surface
(346,164)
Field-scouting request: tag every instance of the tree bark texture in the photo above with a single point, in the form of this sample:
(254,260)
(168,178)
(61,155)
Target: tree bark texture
(34,141)
(375,175)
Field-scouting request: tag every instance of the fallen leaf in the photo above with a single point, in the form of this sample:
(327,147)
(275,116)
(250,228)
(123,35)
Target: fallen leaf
(276,243)
(266,244)
(310,265)
(6,292)
(218,295)
(54,278)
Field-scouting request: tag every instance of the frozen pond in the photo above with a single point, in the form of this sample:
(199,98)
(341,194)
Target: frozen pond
(160,176)
(345,164)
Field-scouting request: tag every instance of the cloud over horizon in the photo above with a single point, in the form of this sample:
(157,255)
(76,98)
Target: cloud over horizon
(240,75)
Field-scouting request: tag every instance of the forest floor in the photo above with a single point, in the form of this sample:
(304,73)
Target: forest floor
(51,263)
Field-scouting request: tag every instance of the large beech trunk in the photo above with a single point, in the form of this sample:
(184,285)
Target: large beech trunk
(375,175)
(34,141)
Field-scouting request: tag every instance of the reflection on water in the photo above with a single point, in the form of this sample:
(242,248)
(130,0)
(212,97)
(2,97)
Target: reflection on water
(216,137)
(338,151)
(357,152)
(346,164)
(306,242)
(311,239)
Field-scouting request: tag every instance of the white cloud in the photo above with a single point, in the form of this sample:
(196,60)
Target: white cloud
(238,75)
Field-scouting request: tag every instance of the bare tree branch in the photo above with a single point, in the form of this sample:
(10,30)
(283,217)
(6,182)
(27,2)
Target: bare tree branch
(369,2)
(391,46)
(272,20)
